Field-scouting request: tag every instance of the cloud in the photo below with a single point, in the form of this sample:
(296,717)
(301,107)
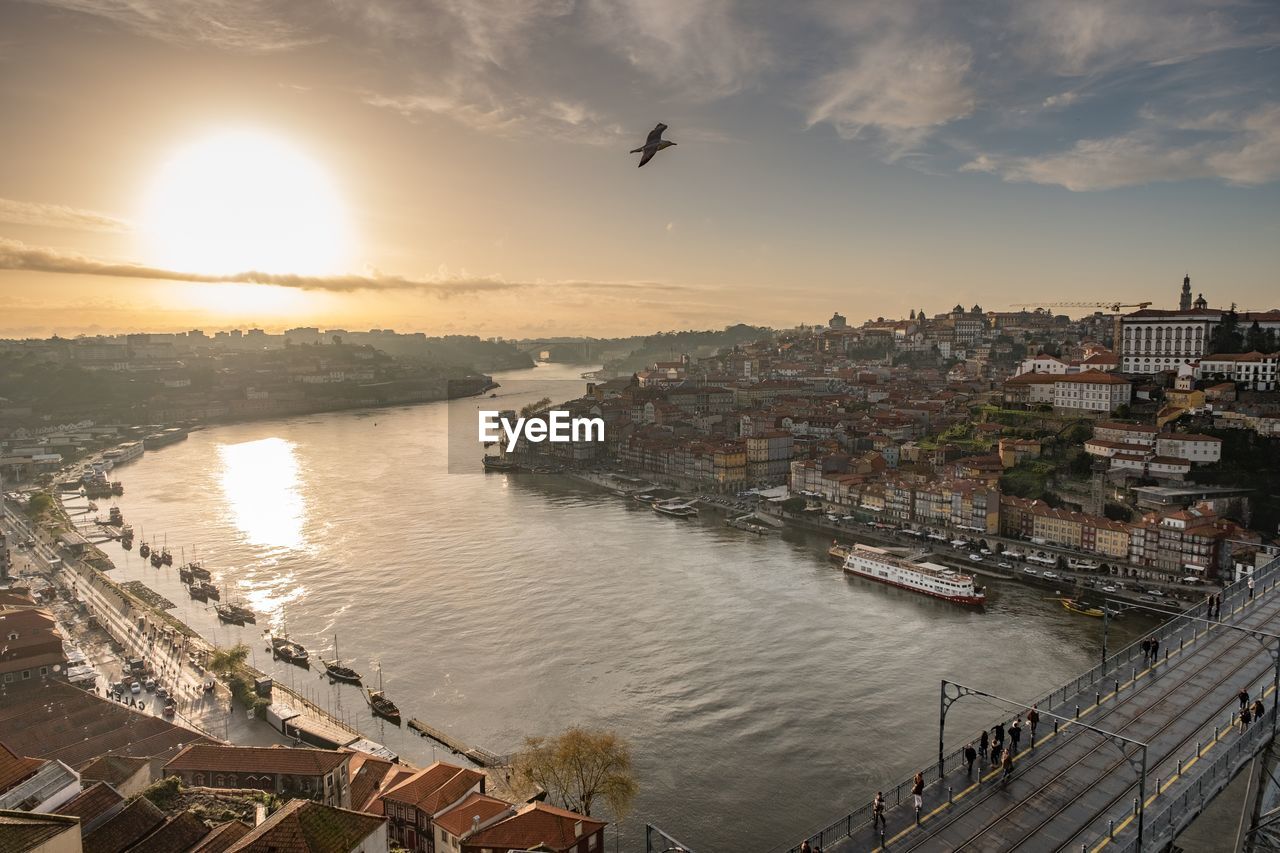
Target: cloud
(701,48)
(57,216)
(15,255)
(513,115)
(900,87)
(243,25)
(1247,156)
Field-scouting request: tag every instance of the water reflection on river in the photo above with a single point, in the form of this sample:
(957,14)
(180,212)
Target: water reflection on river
(763,690)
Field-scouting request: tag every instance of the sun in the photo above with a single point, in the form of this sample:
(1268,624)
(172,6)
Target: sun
(243,200)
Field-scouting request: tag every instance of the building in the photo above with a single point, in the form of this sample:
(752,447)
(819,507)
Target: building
(322,775)
(1255,370)
(23,832)
(535,825)
(302,826)
(1093,391)
(30,645)
(413,805)
(1030,389)
(1197,449)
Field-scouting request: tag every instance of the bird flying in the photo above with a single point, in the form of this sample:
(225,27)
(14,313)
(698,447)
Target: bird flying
(653,144)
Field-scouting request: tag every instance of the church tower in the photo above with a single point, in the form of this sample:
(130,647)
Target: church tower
(1184,304)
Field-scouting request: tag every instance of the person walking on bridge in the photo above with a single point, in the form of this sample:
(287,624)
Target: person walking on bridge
(1007,764)
(917,792)
(982,745)
(1245,717)
(1243,696)
(877,813)
(1033,720)
(970,756)
(1155,650)
(997,735)
(1249,583)
(1015,735)
(1146,650)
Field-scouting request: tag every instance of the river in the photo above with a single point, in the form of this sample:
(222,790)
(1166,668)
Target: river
(763,691)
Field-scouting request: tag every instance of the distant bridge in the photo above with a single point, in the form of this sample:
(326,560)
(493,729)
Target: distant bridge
(1127,755)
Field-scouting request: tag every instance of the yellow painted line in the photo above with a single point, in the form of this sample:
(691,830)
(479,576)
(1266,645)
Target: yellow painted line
(1169,782)
(1083,712)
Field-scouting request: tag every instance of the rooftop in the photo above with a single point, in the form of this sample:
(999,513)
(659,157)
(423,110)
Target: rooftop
(303,826)
(257,759)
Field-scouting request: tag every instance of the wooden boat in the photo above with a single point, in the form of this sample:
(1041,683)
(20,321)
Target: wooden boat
(1075,606)
(211,591)
(335,670)
(197,593)
(226,613)
(156,560)
(497,463)
(290,652)
(380,705)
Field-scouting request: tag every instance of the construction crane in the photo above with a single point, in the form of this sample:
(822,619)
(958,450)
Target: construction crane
(1110,306)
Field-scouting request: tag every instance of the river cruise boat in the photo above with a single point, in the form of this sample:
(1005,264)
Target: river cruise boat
(676,507)
(917,576)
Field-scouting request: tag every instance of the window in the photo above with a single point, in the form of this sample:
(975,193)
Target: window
(26,674)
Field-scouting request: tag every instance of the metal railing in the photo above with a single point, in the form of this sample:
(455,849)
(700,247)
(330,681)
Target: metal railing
(1169,814)
(1080,691)
(657,841)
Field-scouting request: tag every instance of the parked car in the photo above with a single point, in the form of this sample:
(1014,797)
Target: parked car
(977,558)
(1050,576)
(1005,565)
(1109,589)
(1030,571)
(135,688)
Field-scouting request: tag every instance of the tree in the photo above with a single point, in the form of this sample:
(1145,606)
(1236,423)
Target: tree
(794,505)
(534,408)
(579,767)
(227,662)
(39,504)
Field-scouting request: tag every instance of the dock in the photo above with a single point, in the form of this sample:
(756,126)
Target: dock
(479,757)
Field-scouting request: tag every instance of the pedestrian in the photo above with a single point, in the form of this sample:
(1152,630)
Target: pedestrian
(877,812)
(917,792)
(970,756)
(1250,585)
(996,749)
(982,745)
(1146,650)
(1243,696)
(1258,710)
(1015,735)
(805,848)
(1244,719)
(997,734)
(1155,650)
(1007,764)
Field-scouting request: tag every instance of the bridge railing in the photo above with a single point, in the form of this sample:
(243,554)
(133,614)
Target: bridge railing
(657,841)
(1170,814)
(1177,631)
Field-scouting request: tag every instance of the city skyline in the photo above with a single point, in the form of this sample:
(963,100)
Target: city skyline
(460,168)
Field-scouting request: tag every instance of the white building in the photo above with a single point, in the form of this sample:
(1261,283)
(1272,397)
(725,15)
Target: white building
(1256,370)
(1092,391)
(1042,364)
(1199,449)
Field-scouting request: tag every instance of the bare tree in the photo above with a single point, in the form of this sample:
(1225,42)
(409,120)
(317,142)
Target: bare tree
(579,767)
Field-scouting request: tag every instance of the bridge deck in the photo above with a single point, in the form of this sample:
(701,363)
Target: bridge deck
(1067,791)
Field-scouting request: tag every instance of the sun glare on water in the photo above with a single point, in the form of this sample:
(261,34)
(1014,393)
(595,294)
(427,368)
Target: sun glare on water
(245,200)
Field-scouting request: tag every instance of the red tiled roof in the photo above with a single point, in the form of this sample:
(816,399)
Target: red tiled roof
(258,759)
(116,769)
(436,787)
(304,826)
(177,833)
(14,768)
(27,831)
(458,820)
(54,719)
(93,801)
(534,824)
(1094,377)
(125,829)
(221,837)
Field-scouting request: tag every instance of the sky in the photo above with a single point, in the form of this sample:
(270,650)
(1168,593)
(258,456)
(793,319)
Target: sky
(462,166)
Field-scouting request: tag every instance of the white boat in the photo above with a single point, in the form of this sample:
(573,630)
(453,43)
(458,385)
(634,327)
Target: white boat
(677,507)
(913,574)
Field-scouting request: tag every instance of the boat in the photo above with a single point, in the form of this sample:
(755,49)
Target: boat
(184,574)
(497,463)
(1076,606)
(676,507)
(166,557)
(156,560)
(199,571)
(335,670)
(144,550)
(913,574)
(838,551)
(115,518)
(380,705)
(117,488)
(211,591)
(197,592)
(290,652)
(227,613)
